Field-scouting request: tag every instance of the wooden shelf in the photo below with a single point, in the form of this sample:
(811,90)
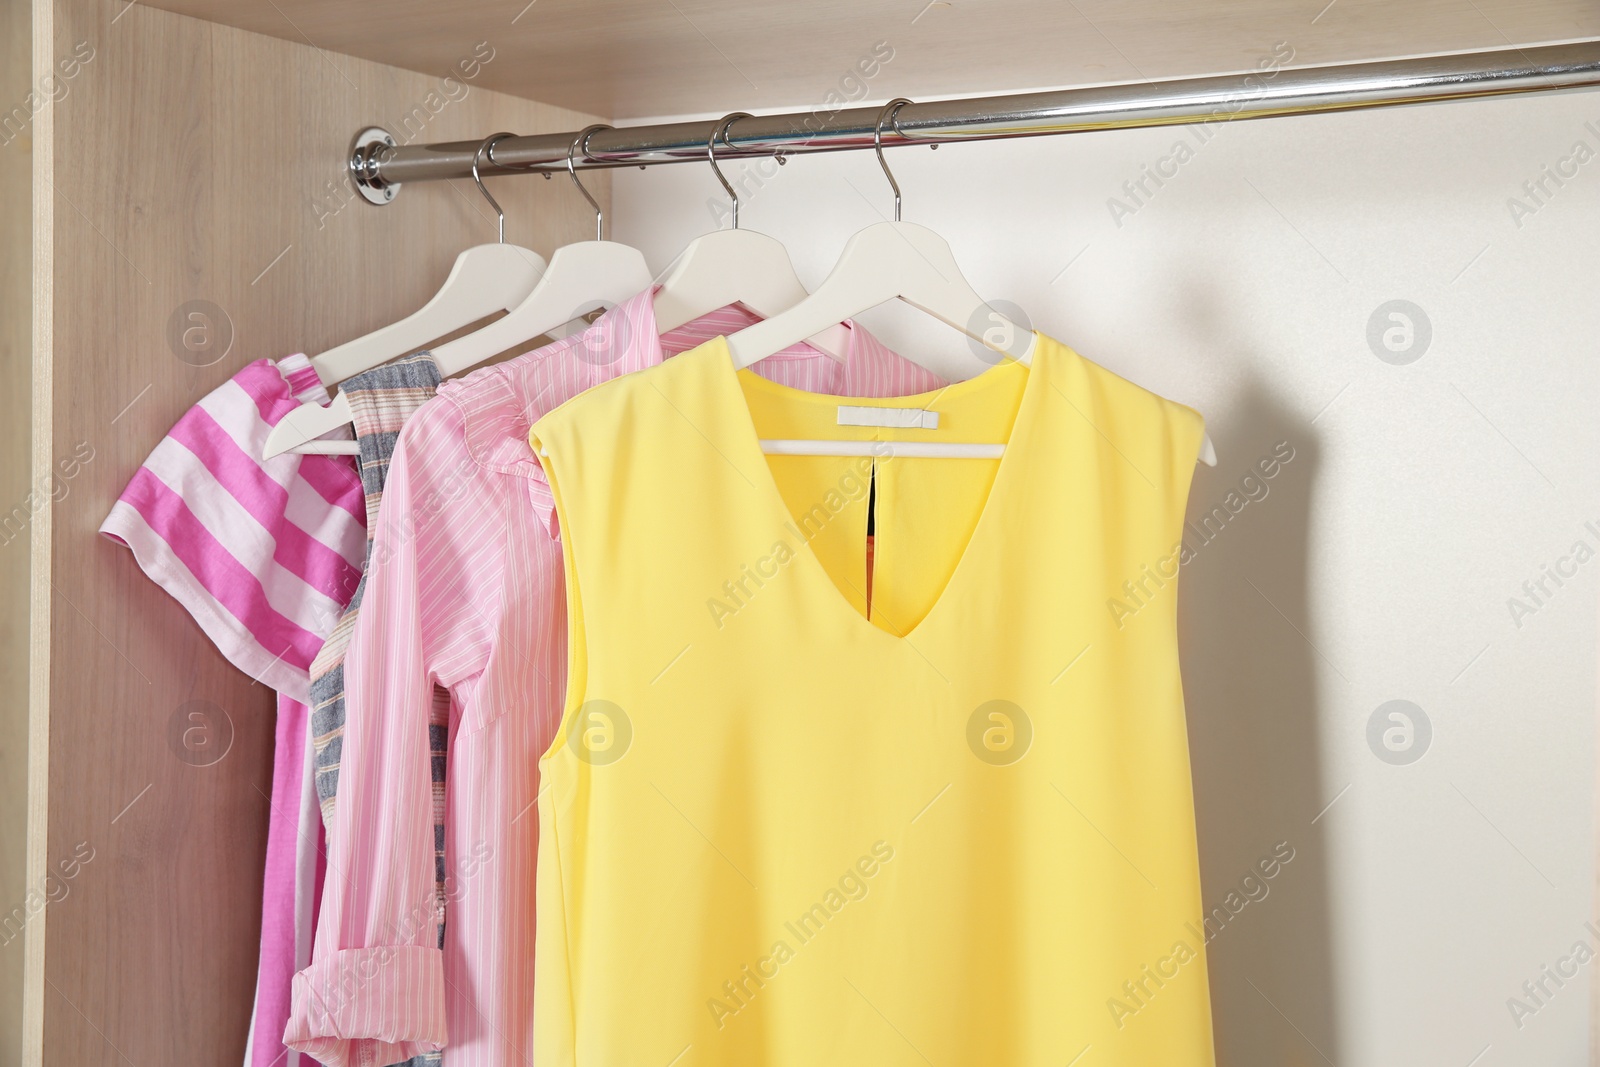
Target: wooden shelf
(633,58)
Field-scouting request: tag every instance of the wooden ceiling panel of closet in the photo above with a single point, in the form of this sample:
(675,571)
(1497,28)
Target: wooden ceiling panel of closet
(633,58)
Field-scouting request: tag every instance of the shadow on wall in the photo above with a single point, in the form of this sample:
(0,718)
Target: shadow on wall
(1250,687)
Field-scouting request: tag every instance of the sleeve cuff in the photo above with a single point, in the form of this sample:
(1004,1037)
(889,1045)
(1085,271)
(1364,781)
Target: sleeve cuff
(369,1007)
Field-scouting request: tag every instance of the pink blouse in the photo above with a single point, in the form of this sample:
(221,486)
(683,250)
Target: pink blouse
(465,592)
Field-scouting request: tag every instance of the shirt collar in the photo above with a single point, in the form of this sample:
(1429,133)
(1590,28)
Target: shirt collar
(500,404)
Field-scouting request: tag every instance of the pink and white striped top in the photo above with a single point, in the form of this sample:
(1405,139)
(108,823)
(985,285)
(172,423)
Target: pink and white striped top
(465,589)
(263,553)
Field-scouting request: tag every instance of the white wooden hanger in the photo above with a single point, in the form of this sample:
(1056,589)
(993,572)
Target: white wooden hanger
(485,279)
(889,260)
(734,266)
(581,277)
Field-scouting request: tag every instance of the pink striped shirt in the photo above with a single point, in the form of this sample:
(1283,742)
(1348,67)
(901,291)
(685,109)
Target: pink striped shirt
(264,554)
(464,590)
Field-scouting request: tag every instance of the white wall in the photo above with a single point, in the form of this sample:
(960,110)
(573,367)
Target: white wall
(1379,566)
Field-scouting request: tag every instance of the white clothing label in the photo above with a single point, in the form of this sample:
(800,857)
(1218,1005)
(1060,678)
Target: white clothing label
(896,418)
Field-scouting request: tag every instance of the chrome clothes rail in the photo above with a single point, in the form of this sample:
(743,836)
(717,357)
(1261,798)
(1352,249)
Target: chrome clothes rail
(379,166)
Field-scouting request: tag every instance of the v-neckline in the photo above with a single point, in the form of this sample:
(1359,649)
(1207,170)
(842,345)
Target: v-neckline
(749,443)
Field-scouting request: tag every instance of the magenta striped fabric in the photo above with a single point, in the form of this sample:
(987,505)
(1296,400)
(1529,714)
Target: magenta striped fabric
(264,554)
(464,589)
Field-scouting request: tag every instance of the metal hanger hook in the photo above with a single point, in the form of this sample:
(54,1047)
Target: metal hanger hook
(582,142)
(890,110)
(721,130)
(487,148)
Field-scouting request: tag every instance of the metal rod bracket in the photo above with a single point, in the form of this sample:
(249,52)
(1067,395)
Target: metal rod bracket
(367,152)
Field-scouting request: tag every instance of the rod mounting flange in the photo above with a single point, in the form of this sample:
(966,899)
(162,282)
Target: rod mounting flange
(368,149)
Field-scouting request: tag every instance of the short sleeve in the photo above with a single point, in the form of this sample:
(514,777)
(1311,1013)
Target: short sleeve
(264,554)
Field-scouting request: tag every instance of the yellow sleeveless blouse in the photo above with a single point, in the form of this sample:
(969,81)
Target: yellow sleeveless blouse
(777,832)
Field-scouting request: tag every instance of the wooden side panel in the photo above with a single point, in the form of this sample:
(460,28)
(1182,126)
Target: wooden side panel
(195,163)
(16,257)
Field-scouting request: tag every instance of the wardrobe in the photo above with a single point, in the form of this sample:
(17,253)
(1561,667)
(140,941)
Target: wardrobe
(178,202)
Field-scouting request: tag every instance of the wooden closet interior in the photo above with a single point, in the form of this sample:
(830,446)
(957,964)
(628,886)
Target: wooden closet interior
(181,168)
